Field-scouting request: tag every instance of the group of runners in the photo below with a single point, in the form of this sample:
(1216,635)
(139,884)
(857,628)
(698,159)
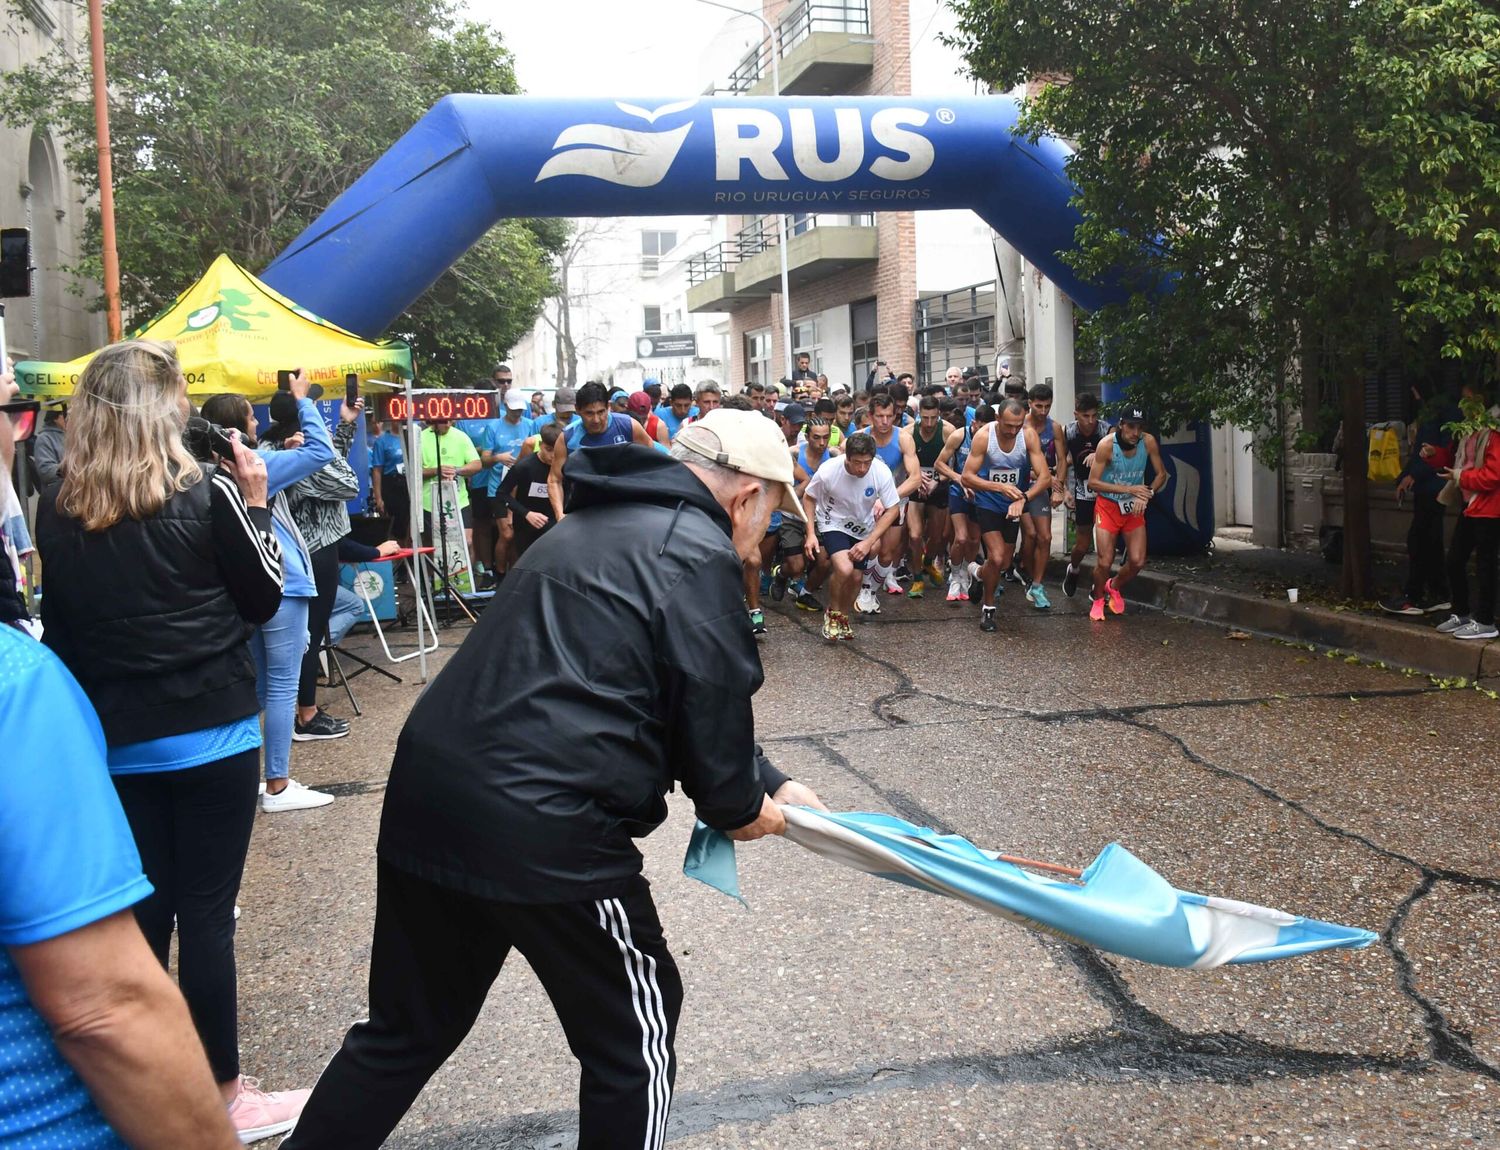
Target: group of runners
(960,493)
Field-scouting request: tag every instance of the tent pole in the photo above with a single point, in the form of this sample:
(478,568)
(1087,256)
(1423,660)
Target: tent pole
(414,504)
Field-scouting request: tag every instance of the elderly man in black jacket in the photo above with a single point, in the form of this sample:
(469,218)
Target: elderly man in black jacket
(616,661)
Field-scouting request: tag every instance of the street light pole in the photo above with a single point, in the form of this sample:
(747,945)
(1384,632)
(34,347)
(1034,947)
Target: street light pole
(106,171)
(781,229)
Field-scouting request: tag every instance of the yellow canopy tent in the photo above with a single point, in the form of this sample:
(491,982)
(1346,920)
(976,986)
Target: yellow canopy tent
(233,333)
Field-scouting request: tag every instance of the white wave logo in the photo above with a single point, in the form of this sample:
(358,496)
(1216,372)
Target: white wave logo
(631,157)
(1185,492)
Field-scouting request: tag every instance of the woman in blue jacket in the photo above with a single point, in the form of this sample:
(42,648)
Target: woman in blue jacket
(279,644)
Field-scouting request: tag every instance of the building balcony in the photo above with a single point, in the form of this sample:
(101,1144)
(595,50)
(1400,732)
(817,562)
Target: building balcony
(825,48)
(748,267)
(711,279)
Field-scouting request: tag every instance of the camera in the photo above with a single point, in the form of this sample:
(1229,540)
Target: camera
(205,440)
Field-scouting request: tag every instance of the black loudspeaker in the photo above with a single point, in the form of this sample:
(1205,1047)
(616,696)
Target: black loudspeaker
(15,263)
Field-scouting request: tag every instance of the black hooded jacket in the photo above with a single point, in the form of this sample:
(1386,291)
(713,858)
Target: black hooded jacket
(615,660)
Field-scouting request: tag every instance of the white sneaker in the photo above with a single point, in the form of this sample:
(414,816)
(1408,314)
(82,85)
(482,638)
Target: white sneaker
(893,585)
(295,797)
(867,603)
(973,572)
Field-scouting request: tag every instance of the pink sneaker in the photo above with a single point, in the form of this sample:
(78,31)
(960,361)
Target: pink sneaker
(257,1114)
(1116,600)
(1096,610)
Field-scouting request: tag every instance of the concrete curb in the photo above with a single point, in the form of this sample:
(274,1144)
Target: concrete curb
(1399,644)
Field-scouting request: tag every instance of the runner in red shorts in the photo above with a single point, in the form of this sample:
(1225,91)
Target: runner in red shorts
(1119,476)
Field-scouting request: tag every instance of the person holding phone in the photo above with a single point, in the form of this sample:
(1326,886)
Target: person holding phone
(280,642)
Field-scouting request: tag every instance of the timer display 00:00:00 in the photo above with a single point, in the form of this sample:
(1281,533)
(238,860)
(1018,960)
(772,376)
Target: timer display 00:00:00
(440,406)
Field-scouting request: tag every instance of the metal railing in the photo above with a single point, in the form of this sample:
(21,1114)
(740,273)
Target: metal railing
(802,20)
(759,235)
(851,17)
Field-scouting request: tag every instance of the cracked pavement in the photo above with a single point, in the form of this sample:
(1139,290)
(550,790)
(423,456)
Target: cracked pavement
(841,1010)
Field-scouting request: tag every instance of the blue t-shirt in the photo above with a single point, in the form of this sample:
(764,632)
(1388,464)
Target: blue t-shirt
(478,431)
(507,438)
(388,454)
(191,749)
(621,429)
(664,413)
(67,860)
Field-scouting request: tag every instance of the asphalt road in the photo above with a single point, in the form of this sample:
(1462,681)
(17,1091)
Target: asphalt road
(841,1010)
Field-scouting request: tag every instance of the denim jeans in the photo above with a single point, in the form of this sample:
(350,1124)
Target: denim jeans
(348,609)
(278,646)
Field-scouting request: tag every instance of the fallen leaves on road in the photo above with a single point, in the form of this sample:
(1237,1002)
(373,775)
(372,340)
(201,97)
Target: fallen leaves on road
(1238,635)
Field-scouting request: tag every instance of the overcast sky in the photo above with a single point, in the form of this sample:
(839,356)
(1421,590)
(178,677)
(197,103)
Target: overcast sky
(610,47)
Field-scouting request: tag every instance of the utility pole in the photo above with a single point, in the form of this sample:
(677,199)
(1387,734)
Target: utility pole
(106,170)
(781,228)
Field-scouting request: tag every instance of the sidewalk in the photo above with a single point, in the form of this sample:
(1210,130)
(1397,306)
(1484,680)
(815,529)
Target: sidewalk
(1245,587)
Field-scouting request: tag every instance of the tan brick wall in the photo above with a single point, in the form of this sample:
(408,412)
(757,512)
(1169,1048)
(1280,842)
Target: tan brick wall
(892,279)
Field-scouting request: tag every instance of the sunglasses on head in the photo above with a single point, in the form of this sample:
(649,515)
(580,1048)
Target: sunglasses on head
(23,417)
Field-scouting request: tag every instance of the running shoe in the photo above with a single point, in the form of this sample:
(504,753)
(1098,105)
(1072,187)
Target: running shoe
(807,601)
(758,621)
(1399,605)
(1038,597)
(1096,610)
(956,592)
(1112,594)
(1436,606)
(1070,581)
(1452,623)
(867,603)
(778,584)
(830,628)
(918,589)
(934,572)
(987,619)
(1477,630)
(846,629)
(321,726)
(893,585)
(294,797)
(258,1114)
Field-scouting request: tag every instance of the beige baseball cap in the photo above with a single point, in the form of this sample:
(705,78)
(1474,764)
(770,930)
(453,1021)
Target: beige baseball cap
(745,441)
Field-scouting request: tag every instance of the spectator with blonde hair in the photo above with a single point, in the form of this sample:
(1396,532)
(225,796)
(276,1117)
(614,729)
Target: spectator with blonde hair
(159,566)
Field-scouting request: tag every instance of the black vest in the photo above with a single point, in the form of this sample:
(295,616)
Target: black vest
(140,614)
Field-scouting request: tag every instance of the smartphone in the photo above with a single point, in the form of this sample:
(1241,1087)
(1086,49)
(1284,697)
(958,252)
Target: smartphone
(283,380)
(222,441)
(351,389)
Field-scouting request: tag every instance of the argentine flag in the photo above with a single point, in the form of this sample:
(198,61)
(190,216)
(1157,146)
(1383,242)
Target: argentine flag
(1118,904)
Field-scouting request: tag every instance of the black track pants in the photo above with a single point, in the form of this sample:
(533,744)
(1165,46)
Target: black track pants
(603,963)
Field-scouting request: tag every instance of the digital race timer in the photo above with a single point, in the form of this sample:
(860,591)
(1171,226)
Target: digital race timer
(431,404)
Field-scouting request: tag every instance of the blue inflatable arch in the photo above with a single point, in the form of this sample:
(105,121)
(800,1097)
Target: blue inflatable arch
(474,160)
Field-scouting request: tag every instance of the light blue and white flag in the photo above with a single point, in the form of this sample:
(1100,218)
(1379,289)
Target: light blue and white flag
(1118,904)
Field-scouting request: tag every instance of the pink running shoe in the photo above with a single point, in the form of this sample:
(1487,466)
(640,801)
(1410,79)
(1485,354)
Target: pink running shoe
(257,1114)
(1096,611)
(1116,600)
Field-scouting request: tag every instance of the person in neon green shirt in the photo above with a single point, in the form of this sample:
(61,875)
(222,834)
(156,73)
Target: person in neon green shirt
(460,459)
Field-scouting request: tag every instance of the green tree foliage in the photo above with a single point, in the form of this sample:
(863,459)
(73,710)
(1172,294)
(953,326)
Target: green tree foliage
(1433,74)
(1301,173)
(234,123)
